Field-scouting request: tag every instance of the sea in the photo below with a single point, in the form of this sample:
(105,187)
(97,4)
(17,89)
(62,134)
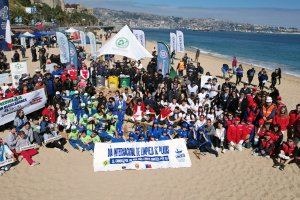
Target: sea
(267,50)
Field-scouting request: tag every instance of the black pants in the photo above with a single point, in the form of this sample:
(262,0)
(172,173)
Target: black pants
(217,142)
(250,79)
(57,143)
(238,80)
(207,148)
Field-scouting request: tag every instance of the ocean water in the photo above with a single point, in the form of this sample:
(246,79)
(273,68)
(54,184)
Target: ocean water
(260,49)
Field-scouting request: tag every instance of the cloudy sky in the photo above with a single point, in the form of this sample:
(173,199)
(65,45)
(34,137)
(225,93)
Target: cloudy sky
(265,12)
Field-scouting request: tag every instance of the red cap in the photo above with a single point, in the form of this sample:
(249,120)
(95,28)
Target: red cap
(72,65)
(237,119)
(254,105)
(261,122)
(84,65)
(250,119)
(65,69)
(254,89)
(279,98)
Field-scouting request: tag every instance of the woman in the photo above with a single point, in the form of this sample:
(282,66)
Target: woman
(189,117)
(282,118)
(59,144)
(211,114)
(138,110)
(20,120)
(33,136)
(63,122)
(218,138)
(155,130)
(27,154)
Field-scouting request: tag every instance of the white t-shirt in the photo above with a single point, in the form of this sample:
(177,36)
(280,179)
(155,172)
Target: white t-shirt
(220,133)
(172,106)
(184,108)
(199,123)
(192,89)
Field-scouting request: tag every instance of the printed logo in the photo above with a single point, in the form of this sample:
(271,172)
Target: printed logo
(18,66)
(180,156)
(4,13)
(122,42)
(163,54)
(105,163)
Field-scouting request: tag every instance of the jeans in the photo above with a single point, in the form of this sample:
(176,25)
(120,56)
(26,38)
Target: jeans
(74,143)
(207,148)
(88,147)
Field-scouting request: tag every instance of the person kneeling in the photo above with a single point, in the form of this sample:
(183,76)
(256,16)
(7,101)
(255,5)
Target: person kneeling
(288,153)
(266,146)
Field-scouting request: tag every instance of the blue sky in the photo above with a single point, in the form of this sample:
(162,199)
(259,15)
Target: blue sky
(265,12)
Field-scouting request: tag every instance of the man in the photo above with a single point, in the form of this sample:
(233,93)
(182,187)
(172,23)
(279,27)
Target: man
(266,146)
(49,112)
(268,112)
(250,75)
(12,139)
(192,89)
(197,55)
(293,129)
(181,67)
(227,84)
(16,56)
(246,89)
(287,154)
(209,129)
(223,100)
(234,135)
(73,73)
(175,117)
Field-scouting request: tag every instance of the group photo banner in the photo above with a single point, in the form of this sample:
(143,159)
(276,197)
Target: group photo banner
(141,155)
(29,102)
(16,70)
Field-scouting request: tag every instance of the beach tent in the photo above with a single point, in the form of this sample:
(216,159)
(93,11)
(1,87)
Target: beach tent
(37,34)
(71,30)
(124,43)
(87,41)
(26,35)
(47,33)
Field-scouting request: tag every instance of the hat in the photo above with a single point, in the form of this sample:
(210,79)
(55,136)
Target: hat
(227,79)
(82,104)
(185,125)
(179,133)
(63,112)
(279,98)
(237,119)
(254,89)
(155,121)
(89,103)
(73,127)
(40,80)
(37,70)
(166,104)
(207,96)
(72,65)
(84,65)
(254,104)
(116,117)
(209,79)
(65,69)
(76,92)
(85,116)
(93,97)
(269,99)
(165,130)
(201,129)
(170,124)
(57,93)
(261,122)
(142,134)
(56,76)
(150,134)
(137,128)
(131,134)
(249,119)
(85,94)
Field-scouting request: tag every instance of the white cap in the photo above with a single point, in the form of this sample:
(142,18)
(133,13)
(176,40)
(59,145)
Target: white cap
(57,92)
(82,104)
(93,97)
(269,99)
(89,103)
(63,112)
(76,92)
(85,94)
(56,76)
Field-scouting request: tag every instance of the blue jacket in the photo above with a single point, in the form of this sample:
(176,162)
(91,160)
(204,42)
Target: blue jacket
(75,103)
(156,132)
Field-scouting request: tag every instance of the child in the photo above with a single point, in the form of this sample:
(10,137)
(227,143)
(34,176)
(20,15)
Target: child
(87,142)
(165,135)
(27,154)
(5,153)
(73,138)
(131,137)
(95,137)
(118,138)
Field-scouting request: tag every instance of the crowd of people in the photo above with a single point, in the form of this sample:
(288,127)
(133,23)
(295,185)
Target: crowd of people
(213,118)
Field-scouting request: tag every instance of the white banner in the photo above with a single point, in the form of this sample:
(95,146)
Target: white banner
(4,78)
(23,41)
(82,38)
(63,45)
(204,80)
(17,69)
(140,36)
(141,155)
(93,43)
(172,42)
(179,41)
(29,102)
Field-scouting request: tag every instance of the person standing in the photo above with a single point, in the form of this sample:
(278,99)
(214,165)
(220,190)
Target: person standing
(16,57)
(239,74)
(250,75)
(279,75)
(23,51)
(33,53)
(234,64)
(274,77)
(197,55)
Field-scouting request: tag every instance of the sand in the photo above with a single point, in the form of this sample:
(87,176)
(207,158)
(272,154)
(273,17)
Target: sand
(234,175)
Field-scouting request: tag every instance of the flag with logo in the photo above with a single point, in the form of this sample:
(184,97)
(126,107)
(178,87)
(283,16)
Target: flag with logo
(73,55)
(93,43)
(140,36)
(172,42)
(64,48)
(16,70)
(163,58)
(4,16)
(179,41)
(8,34)
(82,39)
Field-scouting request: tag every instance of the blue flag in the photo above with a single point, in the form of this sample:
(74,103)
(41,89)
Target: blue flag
(163,58)
(73,55)
(4,16)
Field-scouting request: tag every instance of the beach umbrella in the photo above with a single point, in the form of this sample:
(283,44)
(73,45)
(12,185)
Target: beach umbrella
(71,30)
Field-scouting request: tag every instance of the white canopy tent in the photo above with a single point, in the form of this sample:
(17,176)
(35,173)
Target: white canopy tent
(71,30)
(124,43)
(27,34)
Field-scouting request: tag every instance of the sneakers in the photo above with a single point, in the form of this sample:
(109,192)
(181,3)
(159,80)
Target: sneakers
(276,165)
(92,153)
(34,164)
(66,151)
(80,149)
(223,151)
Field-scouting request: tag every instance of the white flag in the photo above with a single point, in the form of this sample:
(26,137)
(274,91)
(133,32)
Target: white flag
(93,43)
(63,45)
(172,42)
(8,34)
(83,39)
(179,41)
(140,36)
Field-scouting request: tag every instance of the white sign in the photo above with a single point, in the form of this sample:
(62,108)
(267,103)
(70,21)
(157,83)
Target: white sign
(17,69)
(179,41)
(140,36)
(204,80)
(63,45)
(172,42)
(50,67)
(141,155)
(23,41)
(29,102)
(4,78)
(82,38)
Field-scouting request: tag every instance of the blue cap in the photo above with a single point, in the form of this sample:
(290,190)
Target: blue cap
(201,129)
(165,130)
(131,134)
(138,128)
(151,134)
(185,125)
(179,133)
(191,124)
(170,124)
(155,121)
(142,134)
(120,133)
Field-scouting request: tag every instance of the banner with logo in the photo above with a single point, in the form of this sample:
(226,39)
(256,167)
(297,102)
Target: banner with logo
(23,41)
(64,48)
(141,155)
(4,78)
(93,43)
(17,69)
(4,16)
(29,102)
(73,55)
(163,58)
(172,42)
(179,41)
(140,36)
(82,38)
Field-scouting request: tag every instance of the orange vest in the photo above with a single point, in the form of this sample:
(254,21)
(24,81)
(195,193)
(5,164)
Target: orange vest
(181,66)
(267,112)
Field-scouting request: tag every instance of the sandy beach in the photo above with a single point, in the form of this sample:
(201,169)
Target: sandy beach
(234,175)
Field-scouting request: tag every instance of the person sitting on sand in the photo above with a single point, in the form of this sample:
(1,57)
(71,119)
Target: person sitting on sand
(205,142)
(5,154)
(288,153)
(266,146)
(73,137)
(87,142)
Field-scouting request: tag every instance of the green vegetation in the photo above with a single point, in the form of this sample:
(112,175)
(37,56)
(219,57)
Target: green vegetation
(45,13)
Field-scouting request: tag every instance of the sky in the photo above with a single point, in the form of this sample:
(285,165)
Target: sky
(265,12)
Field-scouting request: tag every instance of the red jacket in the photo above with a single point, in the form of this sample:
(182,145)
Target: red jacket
(293,118)
(50,113)
(235,133)
(248,130)
(142,108)
(85,74)
(73,74)
(253,113)
(259,132)
(288,150)
(267,145)
(282,121)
